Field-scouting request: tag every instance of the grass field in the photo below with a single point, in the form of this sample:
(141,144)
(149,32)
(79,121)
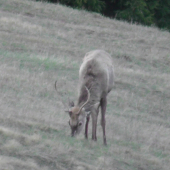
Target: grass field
(41,43)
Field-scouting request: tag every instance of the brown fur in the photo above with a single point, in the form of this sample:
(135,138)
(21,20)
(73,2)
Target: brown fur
(96,73)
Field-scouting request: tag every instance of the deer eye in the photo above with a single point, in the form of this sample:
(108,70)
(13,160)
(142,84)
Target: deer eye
(80,123)
(70,113)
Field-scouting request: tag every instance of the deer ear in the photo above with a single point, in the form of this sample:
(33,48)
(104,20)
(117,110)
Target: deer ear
(71,103)
(69,112)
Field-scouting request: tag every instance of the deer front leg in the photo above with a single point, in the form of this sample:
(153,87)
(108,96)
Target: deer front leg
(94,115)
(86,127)
(103,122)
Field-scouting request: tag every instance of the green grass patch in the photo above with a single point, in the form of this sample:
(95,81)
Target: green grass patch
(160,154)
(34,62)
(134,146)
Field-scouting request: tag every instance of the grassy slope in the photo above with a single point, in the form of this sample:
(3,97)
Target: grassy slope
(40,43)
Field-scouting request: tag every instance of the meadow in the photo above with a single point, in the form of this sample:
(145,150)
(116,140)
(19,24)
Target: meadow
(41,43)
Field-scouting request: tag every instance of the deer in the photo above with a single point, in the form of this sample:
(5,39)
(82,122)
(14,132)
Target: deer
(96,80)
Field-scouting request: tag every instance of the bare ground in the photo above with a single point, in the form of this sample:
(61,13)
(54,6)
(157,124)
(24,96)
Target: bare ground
(41,43)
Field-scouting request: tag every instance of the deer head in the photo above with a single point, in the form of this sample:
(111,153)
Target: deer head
(77,116)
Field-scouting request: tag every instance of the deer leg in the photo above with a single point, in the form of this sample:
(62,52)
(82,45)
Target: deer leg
(94,127)
(103,122)
(86,127)
(94,123)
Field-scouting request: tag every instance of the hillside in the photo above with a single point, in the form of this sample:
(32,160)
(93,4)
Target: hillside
(41,43)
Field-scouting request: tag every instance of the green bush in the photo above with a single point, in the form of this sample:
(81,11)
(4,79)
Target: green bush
(90,5)
(146,12)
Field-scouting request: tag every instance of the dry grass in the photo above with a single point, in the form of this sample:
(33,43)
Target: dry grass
(41,42)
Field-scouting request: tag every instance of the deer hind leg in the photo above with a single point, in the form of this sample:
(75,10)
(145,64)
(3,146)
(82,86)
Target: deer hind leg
(94,127)
(103,122)
(86,127)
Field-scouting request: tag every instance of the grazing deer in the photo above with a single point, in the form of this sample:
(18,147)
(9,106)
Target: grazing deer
(96,79)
